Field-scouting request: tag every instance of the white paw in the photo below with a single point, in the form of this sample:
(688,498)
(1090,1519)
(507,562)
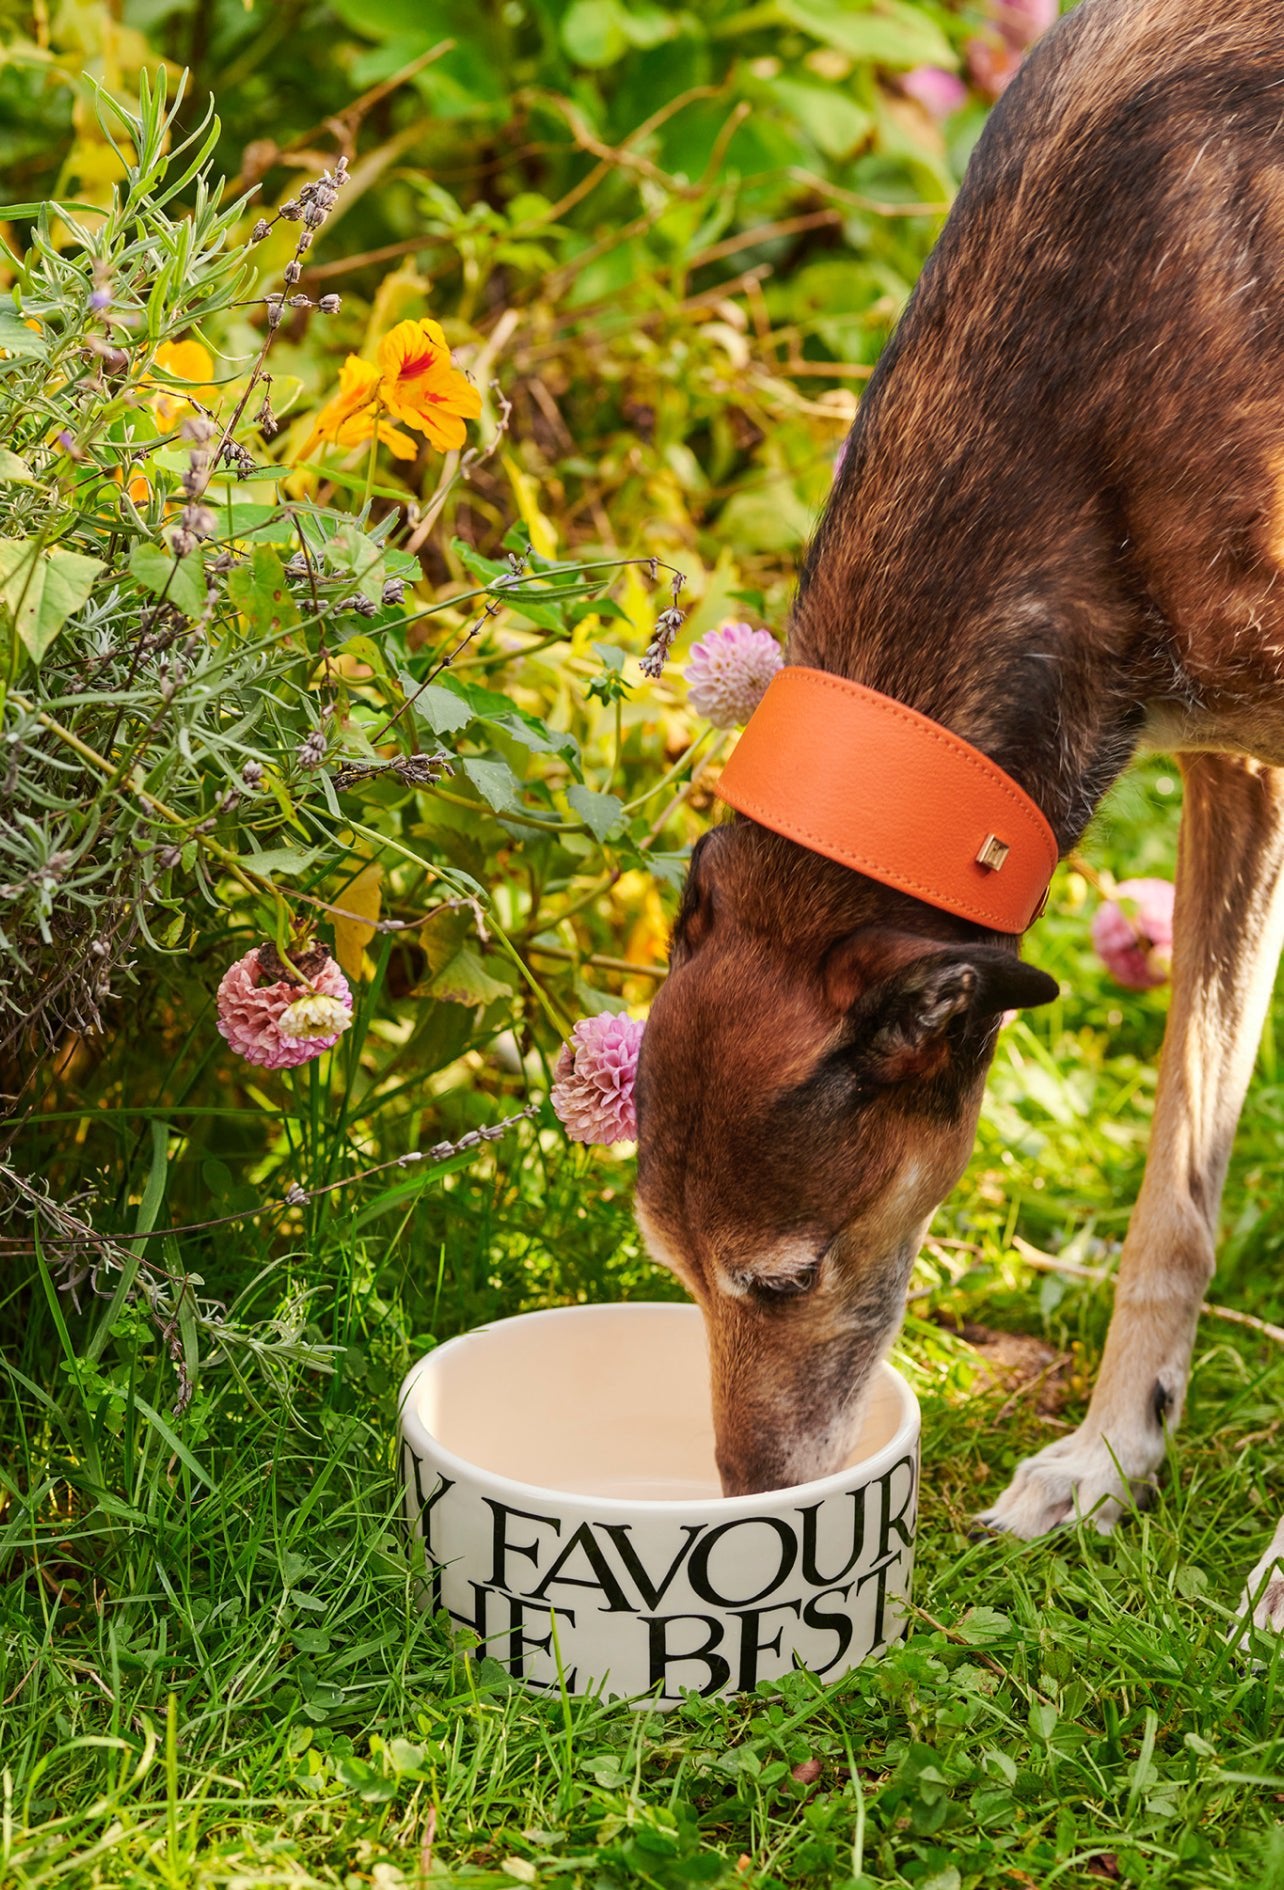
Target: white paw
(1263,1600)
(1079,1476)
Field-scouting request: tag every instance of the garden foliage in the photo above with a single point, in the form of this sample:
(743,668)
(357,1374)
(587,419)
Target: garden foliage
(283,675)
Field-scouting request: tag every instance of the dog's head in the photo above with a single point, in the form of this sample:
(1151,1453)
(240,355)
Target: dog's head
(806,1099)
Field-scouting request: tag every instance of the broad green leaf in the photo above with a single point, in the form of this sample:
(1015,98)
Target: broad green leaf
(465,980)
(18,341)
(439,709)
(595,32)
(260,592)
(43,587)
(837,123)
(14,471)
(496,783)
(458,974)
(180,582)
(534,734)
(353,554)
(898,36)
(599,812)
(281,862)
(770,517)
(498,711)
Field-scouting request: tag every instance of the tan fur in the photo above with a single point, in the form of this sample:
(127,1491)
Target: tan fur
(1059,531)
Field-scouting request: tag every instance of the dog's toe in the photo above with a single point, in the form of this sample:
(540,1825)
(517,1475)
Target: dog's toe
(1262,1605)
(1078,1476)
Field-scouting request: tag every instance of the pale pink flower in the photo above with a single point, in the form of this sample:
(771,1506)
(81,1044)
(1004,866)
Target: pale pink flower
(939,91)
(1133,933)
(593,1092)
(728,671)
(261,1015)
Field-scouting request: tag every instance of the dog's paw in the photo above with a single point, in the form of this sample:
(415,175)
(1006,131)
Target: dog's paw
(1263,1598)
(1078,1476)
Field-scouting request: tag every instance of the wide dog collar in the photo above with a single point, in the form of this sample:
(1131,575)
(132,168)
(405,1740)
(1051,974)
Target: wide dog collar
(880,788)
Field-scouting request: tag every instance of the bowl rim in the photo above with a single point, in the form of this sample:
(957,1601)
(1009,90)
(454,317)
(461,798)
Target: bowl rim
(411,1428)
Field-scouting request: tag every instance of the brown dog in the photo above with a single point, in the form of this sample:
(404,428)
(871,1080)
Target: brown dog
(1058,531)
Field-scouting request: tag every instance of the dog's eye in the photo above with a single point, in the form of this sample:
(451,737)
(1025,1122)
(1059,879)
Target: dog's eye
(789,1285)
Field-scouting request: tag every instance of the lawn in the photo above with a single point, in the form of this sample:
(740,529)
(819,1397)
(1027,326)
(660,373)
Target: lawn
(391,704)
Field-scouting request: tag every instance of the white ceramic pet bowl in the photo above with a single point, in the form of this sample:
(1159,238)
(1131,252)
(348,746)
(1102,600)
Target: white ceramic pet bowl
(560,1469)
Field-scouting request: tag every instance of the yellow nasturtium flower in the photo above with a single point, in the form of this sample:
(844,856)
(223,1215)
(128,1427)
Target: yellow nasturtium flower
(412,381)
(420,386)
(356,413)
(181,361)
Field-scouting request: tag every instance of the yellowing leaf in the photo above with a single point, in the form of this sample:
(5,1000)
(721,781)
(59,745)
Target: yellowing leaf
(354,925)
(43,587)
(526,493)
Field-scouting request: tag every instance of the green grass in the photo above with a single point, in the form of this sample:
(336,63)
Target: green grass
(213,1672)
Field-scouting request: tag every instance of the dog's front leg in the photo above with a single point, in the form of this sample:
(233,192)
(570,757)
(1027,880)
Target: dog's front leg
(1228,929)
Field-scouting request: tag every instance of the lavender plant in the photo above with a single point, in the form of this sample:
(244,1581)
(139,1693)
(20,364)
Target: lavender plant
(225,714)
(178,723)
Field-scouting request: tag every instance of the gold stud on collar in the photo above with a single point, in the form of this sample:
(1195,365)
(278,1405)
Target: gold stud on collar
(993,853)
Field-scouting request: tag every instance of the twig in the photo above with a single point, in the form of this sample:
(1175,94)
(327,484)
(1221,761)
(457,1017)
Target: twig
(624,966)
(1048,1263)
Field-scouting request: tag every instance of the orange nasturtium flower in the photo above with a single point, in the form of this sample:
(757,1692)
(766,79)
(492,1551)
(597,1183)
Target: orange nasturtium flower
(411,380)
(139,486)
(182,361)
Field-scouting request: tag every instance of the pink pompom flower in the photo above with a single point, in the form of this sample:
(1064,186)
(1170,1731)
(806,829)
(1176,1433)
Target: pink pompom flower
(272,1020)
(939,91)
(593,1092)
(1133,933)
(728,671)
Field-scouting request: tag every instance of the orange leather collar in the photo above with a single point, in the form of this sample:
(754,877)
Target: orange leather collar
(882,789)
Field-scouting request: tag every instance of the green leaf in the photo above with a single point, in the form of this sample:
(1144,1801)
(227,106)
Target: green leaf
(835,122)
(439,709)
(458,974)
(499,711)
(14,471)
(17,340)
(980,1626)
(496,783)
(595,32)
(259,590)
(599,812)
(898,36)
(282,862)
(465,980)
(42,587)
(180,583)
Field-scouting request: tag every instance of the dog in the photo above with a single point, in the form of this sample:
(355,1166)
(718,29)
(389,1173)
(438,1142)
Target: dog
(1058,532)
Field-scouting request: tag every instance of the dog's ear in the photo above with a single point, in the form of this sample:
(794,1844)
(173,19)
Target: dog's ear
(700,899)
(908,1001)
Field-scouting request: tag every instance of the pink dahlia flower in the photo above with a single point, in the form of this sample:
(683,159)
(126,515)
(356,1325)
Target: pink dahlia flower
(264,1014)
(593,1093)
(939,91)
(728,671)
(1133,933)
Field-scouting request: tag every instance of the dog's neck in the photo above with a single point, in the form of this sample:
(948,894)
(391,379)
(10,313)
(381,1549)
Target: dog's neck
(972,565)
(1029,659)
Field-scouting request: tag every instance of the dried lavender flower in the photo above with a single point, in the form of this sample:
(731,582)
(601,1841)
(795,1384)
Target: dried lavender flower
(311,750)
(667,625)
